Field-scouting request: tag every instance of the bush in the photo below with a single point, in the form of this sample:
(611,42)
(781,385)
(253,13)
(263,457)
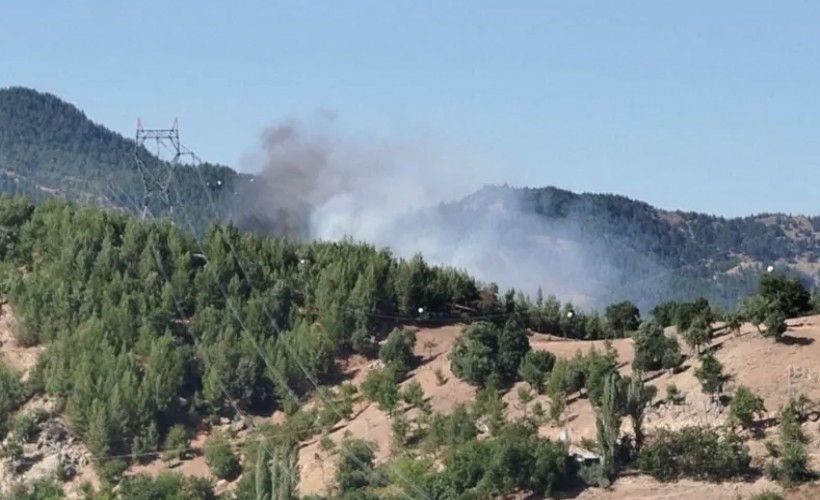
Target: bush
(450,430)
(696,453)
(355,470)
(483,350)
(785,295)
(11,394)
(25,427)
(176,443)
(744,406)
(710,374)
(514,460)
(382,387)
(767,495)
(673,394)
(221,459)
(622,317)
(397,350)
(535,369)
(654,350)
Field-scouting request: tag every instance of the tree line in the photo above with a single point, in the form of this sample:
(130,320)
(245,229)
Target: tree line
(146,326)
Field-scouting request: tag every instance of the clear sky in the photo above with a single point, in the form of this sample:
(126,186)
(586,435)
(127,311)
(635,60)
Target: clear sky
(700,105)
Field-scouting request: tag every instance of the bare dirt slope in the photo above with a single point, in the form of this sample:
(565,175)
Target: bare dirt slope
(748,358)
(53,447)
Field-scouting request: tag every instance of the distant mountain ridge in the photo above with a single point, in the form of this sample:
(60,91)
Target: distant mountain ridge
(49,148)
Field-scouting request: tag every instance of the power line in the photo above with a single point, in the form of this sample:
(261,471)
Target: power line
(291,352)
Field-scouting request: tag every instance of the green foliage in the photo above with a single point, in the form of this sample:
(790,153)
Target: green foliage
(682,314)
(25,427)
(710,374)
(11,394)
(220,457)
(41,489)
(516,459)
(696,453)
(399,427)
(397,350)
(637,397)
(596,369)
(483,350)
(778,298)
(698,334)
(413,395)
(794,464)
(785,295)
(355,469)
(535,369)
(176,443)
(654,350)
(608,424)
(167,486)
(382,387)
(622,317)
(451,430)
(775,325)
(276,471)
(744,406)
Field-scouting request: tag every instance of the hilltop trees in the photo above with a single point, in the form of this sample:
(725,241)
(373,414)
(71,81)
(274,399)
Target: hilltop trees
(785,295)
(710,374)
(778,298)
(484,350)
(654,350)
(535,369)
(622,317)
(144,327)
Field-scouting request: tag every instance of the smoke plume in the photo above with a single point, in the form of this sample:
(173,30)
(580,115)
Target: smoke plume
(412,197)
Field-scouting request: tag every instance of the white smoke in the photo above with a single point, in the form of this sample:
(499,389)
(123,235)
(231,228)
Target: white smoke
(388,193)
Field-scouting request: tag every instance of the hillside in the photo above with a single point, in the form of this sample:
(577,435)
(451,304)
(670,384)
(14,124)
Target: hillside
(591,248)
(49,148)
(623,248)
(143,363)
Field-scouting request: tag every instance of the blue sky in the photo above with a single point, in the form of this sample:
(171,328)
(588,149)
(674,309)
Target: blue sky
(699,105)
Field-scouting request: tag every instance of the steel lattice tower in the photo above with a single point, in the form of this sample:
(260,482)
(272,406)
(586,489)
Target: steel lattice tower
(157,179)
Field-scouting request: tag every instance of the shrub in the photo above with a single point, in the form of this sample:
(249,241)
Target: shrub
(397,350)
(483,350)
(355,470)
(382,387)
(696,453)
(710,374)
(673,394)
(221,458)
(654,350)
(176,443)
(744,406)
(535,369)
(767,495)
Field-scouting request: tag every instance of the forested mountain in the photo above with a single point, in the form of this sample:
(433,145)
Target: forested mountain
(638,251)
(50,148)
(142,335)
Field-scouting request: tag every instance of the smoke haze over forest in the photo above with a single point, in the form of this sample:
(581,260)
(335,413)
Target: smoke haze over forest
(414,197)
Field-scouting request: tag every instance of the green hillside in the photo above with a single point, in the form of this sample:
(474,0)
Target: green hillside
(657,255)
(49,148)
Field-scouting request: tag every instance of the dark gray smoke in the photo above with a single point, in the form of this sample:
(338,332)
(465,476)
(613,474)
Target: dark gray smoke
(315,184)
